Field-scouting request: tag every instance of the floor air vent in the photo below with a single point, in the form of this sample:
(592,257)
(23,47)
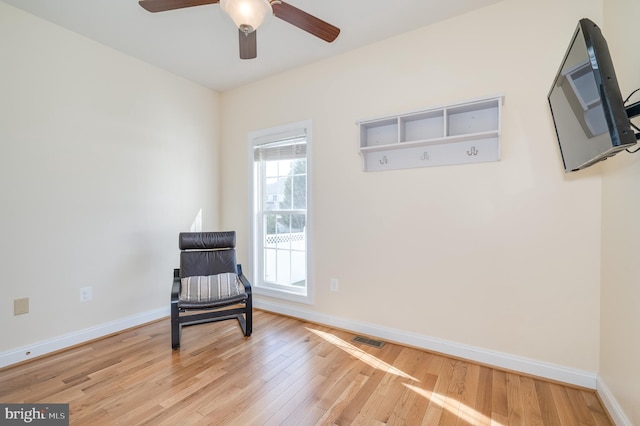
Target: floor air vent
(367,341)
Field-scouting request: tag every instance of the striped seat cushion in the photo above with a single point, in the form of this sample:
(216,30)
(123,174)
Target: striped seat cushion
(210,288)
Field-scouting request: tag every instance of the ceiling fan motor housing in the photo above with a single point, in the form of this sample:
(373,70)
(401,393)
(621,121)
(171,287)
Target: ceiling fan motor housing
(248,15)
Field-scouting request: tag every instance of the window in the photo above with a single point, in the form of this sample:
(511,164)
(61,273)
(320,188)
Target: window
(280,222)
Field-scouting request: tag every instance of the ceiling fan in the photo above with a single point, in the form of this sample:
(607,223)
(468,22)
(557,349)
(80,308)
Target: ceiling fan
(249,14)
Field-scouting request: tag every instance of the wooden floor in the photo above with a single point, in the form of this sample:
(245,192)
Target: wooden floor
(289,372)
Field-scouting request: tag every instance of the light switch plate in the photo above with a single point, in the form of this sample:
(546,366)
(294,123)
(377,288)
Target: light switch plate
(21,306)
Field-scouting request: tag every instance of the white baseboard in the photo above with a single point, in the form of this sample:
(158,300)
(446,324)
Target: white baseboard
(484,356)
(609,401)
(51,345)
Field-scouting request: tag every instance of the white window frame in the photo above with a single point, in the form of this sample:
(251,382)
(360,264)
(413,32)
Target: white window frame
(255,253)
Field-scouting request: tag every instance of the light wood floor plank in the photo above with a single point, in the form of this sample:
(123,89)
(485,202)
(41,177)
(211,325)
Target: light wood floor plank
(414,366)
(468,397)
(514,400)
(565,412)
(596,409)
(530,402)
(289,372)
(547,404)
(499,402)
(484,393)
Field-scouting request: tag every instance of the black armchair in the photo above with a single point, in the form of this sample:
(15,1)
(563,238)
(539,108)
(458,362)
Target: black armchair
(209,286)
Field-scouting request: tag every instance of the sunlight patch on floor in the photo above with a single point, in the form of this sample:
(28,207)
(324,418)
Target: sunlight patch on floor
(361,355)
(455,407)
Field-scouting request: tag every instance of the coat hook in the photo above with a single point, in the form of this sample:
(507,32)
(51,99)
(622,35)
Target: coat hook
(384,160)
(472,151)
(424,156)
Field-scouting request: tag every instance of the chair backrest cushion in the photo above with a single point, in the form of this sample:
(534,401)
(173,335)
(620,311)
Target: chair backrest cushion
(207,253)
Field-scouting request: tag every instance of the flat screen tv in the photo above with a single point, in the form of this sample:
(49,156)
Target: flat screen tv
(588,112)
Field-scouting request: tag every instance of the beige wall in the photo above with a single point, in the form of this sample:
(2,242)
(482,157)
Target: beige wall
(503,256)
(620,295)
(103,160)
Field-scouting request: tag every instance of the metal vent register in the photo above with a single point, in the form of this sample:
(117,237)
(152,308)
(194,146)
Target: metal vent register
(366,341)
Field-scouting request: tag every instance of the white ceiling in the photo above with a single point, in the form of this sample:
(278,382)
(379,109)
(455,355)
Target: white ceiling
(201,43)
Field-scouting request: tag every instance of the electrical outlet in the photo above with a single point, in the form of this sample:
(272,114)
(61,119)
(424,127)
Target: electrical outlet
(334,285)
(86,294)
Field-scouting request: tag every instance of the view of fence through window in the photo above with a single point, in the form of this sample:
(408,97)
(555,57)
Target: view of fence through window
(284,221)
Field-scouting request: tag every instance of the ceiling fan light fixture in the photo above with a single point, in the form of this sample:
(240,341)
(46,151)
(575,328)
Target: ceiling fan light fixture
(246,14)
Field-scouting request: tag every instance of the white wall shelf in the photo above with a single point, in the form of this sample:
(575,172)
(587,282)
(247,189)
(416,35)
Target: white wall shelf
(467,132)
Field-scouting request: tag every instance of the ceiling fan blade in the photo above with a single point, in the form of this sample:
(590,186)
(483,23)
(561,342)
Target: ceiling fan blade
(305,21)
(248,44)
(162,5)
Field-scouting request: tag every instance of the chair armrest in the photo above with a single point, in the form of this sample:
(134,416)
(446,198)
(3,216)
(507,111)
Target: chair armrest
(175,287)
(245,282)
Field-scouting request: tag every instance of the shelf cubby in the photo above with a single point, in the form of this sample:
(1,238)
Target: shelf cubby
(467,132)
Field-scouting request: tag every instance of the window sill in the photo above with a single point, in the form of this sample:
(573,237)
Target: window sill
(284,295)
